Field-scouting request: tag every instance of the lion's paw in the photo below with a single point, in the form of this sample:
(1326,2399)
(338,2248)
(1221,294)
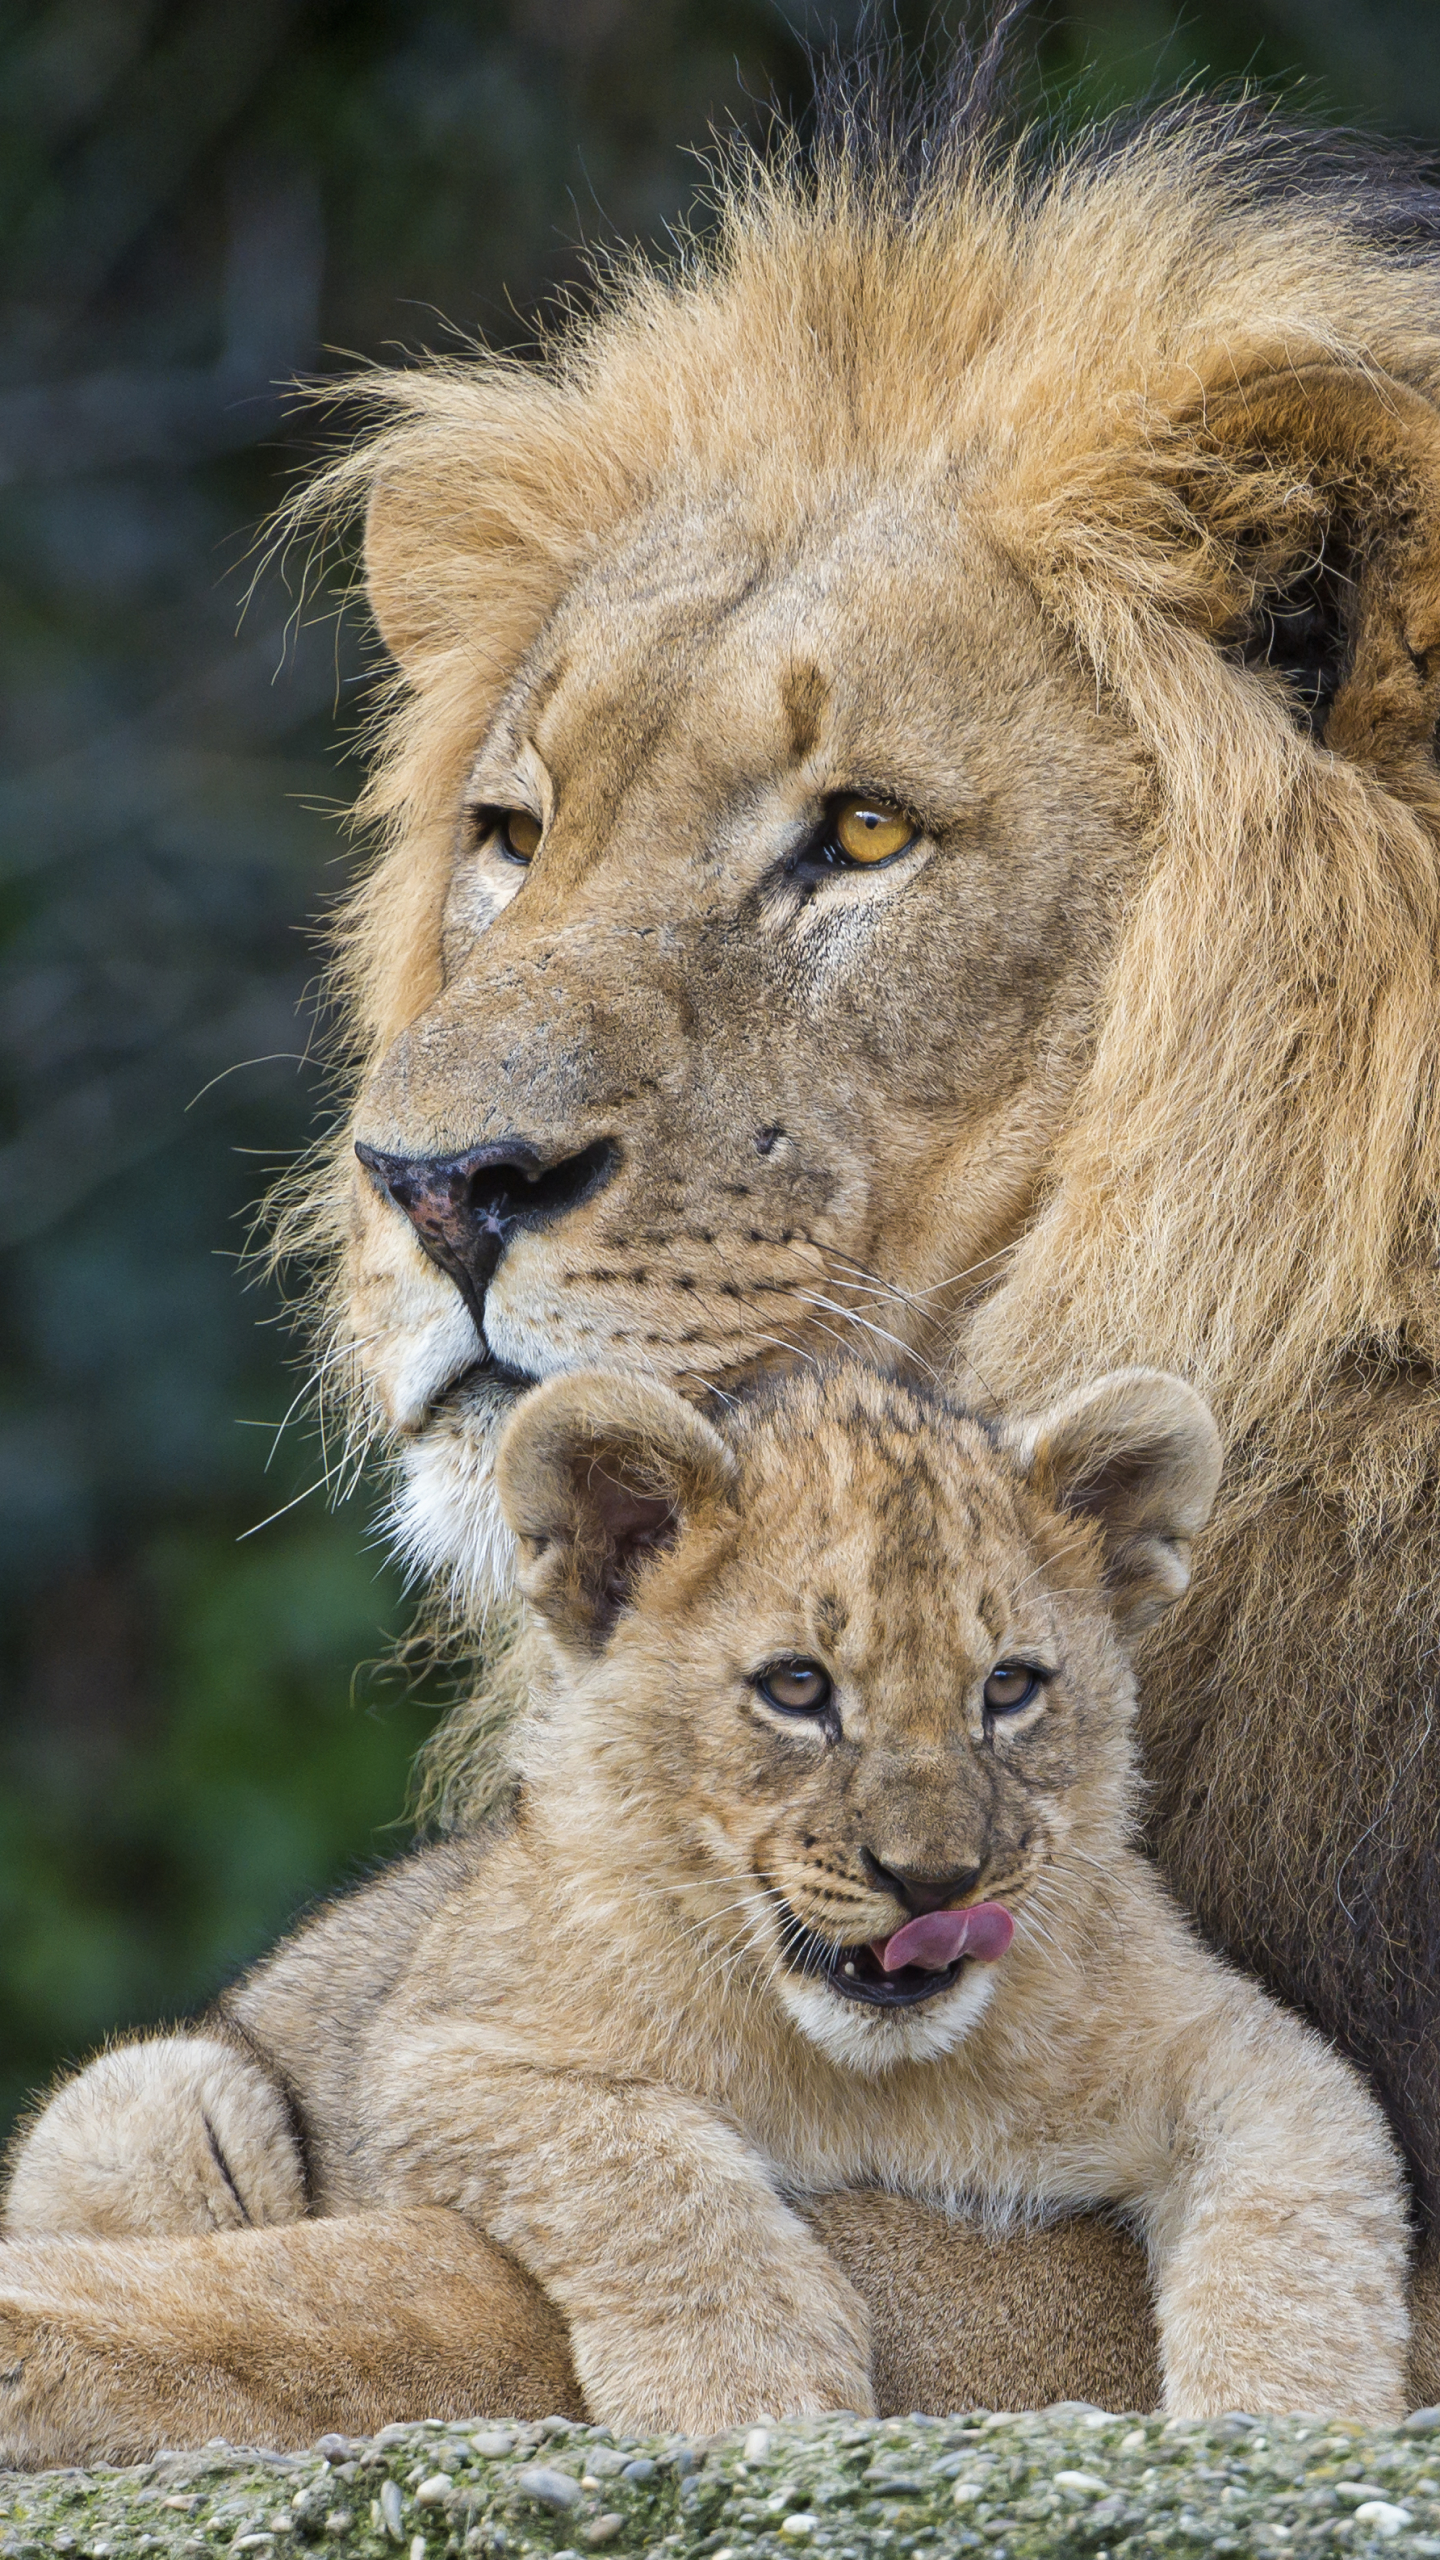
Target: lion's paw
(178,2134)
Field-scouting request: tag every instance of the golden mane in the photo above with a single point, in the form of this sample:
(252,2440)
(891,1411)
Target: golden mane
(1090,334)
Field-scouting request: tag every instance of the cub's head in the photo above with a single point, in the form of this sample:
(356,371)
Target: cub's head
(846,1677)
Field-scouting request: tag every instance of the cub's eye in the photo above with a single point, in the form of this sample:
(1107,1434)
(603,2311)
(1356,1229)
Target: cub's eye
(1012,1685)
(514,832)
(865,830)
(797,1688)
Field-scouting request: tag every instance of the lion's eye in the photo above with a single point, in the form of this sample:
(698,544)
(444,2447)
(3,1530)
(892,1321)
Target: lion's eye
(1011,1686)
(870,830)
(797,1688)
(514,832)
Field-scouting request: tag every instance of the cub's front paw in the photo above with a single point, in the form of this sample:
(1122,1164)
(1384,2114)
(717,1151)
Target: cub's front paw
(696,2371)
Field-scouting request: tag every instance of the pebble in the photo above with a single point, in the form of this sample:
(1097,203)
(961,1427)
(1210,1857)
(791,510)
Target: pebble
(798,2528)
(339,2521)
(1382,2517)
(1352,2493)
(603,2529)
(389,2504)
(553,2489)
(757,2445)
(434,2491)
(493,2444)
(642,2468)
(1081,2484)
(333,2448)
(417,2547)
(604,2461)
(966,2492)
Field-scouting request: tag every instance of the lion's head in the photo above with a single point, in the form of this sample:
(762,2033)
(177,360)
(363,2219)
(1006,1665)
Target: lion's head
(910,804)
(767,950)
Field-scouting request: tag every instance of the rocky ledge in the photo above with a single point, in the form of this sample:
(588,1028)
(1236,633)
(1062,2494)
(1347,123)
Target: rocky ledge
(1015,2487)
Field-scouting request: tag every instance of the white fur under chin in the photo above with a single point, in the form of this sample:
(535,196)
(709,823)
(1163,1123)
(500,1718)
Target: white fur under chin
(444,1522)
(870,2041)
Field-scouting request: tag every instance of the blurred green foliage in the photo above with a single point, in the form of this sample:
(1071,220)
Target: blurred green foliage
(196,200)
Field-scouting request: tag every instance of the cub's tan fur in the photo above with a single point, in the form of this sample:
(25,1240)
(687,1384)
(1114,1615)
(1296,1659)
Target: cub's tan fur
(615,2038)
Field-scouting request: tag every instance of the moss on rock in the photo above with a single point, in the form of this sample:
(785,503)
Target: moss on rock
(1066,2480)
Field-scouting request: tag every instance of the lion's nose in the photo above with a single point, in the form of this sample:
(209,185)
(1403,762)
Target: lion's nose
(916,1892)
(465,1208)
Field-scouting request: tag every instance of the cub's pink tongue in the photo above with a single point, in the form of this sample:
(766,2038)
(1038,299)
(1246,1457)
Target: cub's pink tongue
(938,1937)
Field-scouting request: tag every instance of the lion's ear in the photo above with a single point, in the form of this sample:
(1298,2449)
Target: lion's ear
(1138,1452)
(445,571)
(597,1474)
(483,501)
(1321,482)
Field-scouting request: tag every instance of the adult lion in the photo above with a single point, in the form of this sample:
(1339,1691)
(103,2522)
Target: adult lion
(912,815)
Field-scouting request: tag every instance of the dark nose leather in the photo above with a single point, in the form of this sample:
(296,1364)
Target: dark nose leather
(916,1893)
(465,1208)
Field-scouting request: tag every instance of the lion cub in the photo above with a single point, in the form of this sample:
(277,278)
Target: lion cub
(821,1874)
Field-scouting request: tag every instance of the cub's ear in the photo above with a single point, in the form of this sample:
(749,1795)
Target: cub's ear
(1138,1452)
(596,1474)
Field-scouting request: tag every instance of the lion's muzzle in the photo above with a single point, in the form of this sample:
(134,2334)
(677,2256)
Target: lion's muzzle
(464,1208)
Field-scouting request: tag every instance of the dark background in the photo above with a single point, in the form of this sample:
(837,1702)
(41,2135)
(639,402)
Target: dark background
(197,199)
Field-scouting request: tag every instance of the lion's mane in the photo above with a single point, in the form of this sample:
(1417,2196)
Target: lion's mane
(1195,363)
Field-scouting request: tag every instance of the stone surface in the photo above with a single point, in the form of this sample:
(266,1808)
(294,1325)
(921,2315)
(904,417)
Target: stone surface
(1064,2481)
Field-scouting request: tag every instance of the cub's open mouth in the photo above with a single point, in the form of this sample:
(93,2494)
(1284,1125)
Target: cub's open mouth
(917,1962)
(858,1974)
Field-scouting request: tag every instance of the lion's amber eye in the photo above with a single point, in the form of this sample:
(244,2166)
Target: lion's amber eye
(871,830)
(518,833)
(1011,1685)
(800,1688)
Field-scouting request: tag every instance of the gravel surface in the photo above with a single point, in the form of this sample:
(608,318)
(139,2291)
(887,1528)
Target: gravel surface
(1062,2480)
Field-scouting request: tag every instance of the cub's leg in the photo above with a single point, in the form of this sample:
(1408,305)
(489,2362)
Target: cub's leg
(1278,2227)
(696,2298)
(176,2134)
(112,2348)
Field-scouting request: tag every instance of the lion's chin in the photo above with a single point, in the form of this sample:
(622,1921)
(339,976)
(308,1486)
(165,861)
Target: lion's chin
(445,1523)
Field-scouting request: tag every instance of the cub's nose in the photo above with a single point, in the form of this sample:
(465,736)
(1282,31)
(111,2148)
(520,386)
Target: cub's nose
(916,1892)
(464,1208)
